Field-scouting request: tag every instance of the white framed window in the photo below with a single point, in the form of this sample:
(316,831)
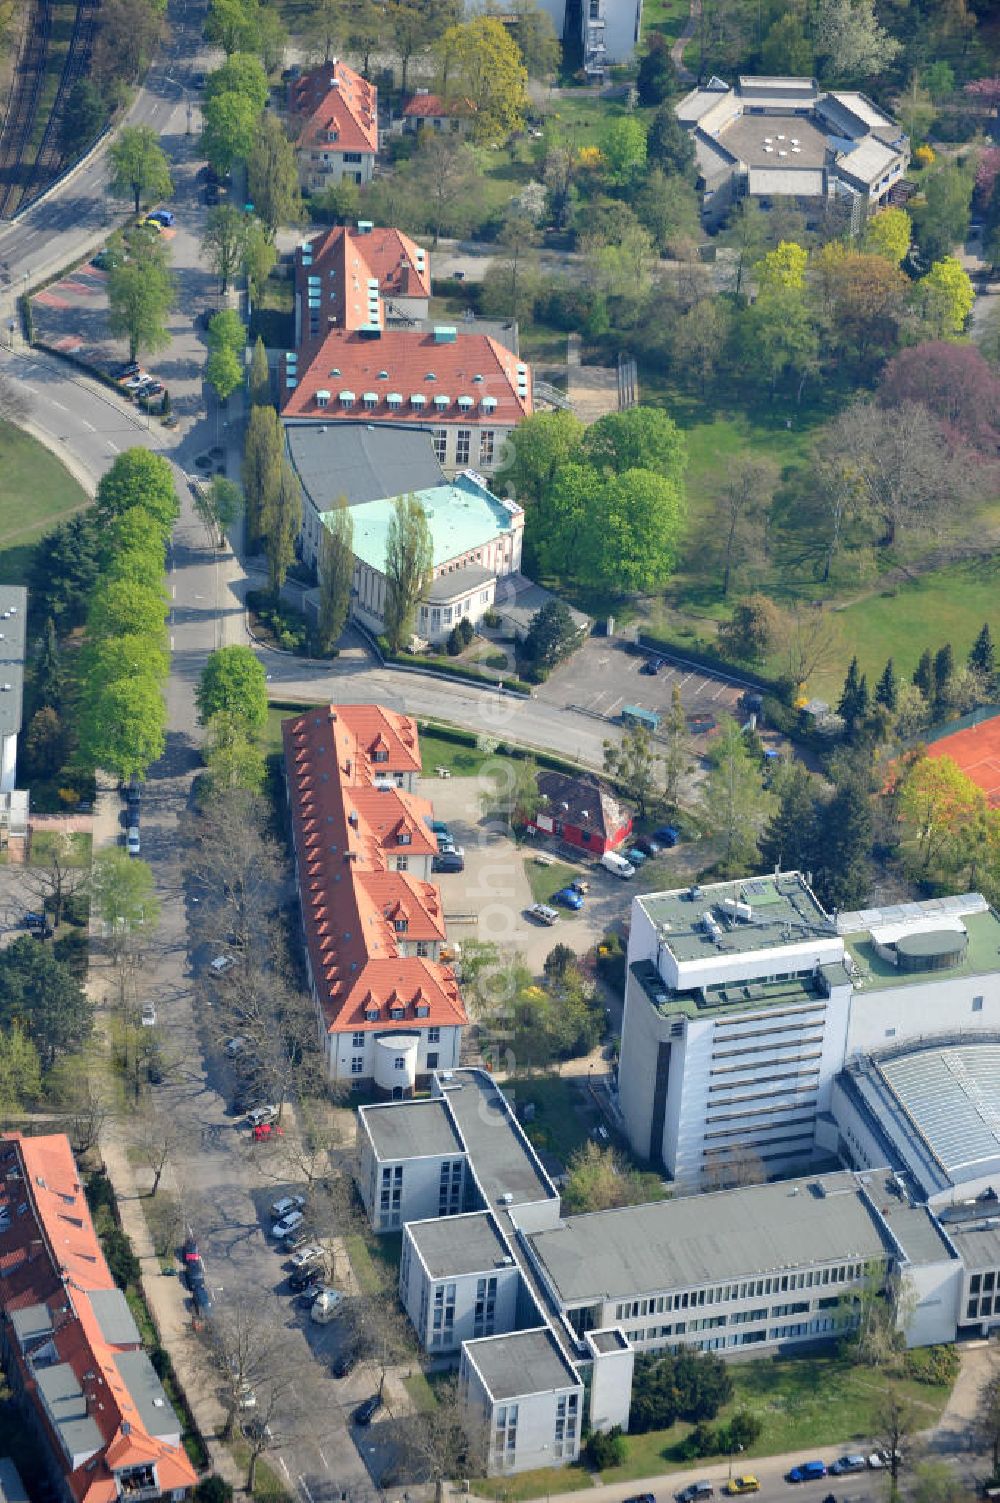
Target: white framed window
(439,438)
(357,1065)
(463,443)
(358,1041)
(487,443)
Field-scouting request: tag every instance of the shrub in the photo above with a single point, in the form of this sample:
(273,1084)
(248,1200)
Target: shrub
(72,950)
(466,630)
(214,1489)
(122,1261)
(495,660)
(932,1364)
(454,643)
(925,155)
(611,962)
(491,619)
(704,1440)
(606,1448)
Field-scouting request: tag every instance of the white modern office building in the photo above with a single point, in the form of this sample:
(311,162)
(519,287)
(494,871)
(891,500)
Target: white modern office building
(745,999)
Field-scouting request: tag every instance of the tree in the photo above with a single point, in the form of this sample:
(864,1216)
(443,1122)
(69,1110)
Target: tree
(123,727)
(987,1421)
(224,242)
(888,233)
(229,128)
(121,608)
(864,299)
(57,877)
(742,507)
(552,634)
(896,1421)
(955,384)
(140,296)
(952,286)
(982,656)
(259,257)
(676,757)
(83,117)
(263,449)
(536,450)
(281,522)
(233,682)
(273,176)
(123,894)
(260,375)
(777,336)
(923,674)
(138,478)
(134,549)
(887,688)
(623,149)
(790,837)
(849,40)
(935,1482)
(416,24)
(656,80)
(41,994)
(443,176)
(736,803)
(45,743)
(669,145)
(668,209)
(232,756)
(535,36)
(753,629)
(223,372)
(409,558)
(139,167)
(513,799)
(938,800)
(641,438)
(20,1069)
(511,282)
(218,503)
(632,763)
(853,704)
(480,61)
(232,25)
(336,575)
(241,73)
(747,233)
(599,1179)
(272,38)
(700,339)
(632,540)
(941,219)
(944,672)
(783,267)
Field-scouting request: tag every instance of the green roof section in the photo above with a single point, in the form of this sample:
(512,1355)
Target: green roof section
(462,516)
(981,956)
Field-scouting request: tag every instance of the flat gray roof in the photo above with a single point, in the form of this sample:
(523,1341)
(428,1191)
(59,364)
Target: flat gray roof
(524,1362)
(783,911)
(502,1158)
(411,1129)
(459,1244)
(608,1341)
(66,1403)
(458,581)
(155,1409)
(914,1228)
(11,696)
(31,1321)
(775,141)
(701,1239)
(13,623)
(114,1317)
(978,1241)
(952,1097)
(361,461)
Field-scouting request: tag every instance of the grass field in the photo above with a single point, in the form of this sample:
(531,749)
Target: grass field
(546,880)
(46,842)
(665,16)
(37,493)
(375,1260)
(562,1121)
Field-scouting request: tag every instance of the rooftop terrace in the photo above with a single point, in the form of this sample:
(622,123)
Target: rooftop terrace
(981,955)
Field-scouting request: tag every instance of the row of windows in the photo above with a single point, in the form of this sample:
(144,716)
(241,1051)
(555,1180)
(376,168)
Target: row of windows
(463,608)
(747,1133)
(720,1294)
(819,1325)
(774,1074)
(433,1037)
(770,1048)
(463,445)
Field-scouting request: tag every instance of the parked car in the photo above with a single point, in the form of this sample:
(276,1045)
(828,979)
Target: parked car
(302,1278)
(367,1410)
(132,841)
(148,1015)
(845,1464)
(345,1363)
(312,1253)
(694,1491)
(580,885)
(542,913)
(325,1305)
(34,920)
(202,1300)
(285,1205)
(161,216)
(265,1130)
(651,666)
(122,372)
(221,964)
(648,845)
(154,1068)
(266,1112)
(449,861)
(640,1498)
(133,800)
(194,1272)
(137,381)
(287,1225)
(309,1286)
(739,1485)
(667,835)
(807,1471)
(568,897)
(635,855)
(438,827)
(255,1429)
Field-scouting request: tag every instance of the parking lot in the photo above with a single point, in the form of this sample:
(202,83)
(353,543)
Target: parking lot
(605,674)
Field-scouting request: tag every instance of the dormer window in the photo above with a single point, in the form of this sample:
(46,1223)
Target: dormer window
(380,754)
(371,1014)
(397,1013)
(423,1011)
(404,838)
(401,925)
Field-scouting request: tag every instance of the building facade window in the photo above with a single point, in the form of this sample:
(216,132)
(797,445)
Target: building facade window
(439,438)
(358,1041)
(434,1035)
(487,441)
(357,1065)
(463,443)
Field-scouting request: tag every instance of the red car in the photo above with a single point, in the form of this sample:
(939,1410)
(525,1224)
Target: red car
(267,1130)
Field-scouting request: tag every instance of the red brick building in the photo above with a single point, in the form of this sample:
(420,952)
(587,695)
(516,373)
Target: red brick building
(581,811)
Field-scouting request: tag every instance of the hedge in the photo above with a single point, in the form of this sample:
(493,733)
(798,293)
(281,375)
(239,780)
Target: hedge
(453,670)
(705,655)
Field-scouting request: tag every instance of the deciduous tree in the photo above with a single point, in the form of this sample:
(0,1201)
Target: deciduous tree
(233,682)
(223,372)
(443,178)
(632,763)
(140,296)
(888,233)
(849,40)
(599,1179)
(138,478)
(956,386)
(409,558)
(280,523)
(951,288)
(263,448)
(336,574)
(123,726)
(736,802)
(260,375)
(479,60)
(640,438)
(241,73)
(742,507)
(224,242)
(937,799)
(536,450)
(273,176)
(139,167)
(228,132)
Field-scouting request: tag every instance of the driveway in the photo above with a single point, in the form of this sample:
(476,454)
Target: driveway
(603,675)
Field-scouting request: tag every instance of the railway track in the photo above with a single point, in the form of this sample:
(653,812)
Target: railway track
(49,158)
(20,119)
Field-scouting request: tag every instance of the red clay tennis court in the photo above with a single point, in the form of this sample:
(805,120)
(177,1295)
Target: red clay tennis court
(977,753)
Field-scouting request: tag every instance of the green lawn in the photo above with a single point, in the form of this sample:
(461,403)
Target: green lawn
(562,1120)
(665,16)
(46,842)
(37,492)
(375,1260)
(421,1393)
(544,1483)
(802,1402)
(546,880)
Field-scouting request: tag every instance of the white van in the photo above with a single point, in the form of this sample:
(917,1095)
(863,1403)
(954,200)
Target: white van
(617,865)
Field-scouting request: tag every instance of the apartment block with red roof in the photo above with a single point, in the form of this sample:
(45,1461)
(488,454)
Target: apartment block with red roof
(70,1347)
(333,115)
(351,363)
(389,1010)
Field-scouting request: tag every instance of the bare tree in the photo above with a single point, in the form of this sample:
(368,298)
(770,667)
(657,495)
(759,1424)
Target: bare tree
(895,1422)
(810,639)
(158,1138)
(451,1442)
(246,1343)
(741,510)
(987,1423)
(56,879)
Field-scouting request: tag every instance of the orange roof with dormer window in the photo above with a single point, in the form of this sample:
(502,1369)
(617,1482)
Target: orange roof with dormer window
(334,109)
(350,821)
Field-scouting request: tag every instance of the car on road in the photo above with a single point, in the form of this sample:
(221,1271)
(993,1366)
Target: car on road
(266,1112)
(736,1486)
(845,1464)
(287,1225)
(807,1471)
(651,666)
(568,897)
(367,1410)
(694,1491)
(148,1015)
(449,861)
(132,841)
(667,835)
(542,913)
(221,964)
(286,1204)
(161,216)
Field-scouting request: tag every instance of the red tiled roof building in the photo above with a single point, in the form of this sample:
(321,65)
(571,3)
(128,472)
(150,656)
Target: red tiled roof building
(425,111)
(333,113)
(71,1349)
(389,1009)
